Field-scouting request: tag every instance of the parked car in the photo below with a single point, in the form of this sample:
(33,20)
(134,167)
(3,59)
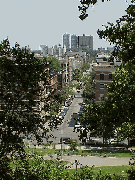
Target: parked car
(111,141)
(77,124)
(121,143)
(65,109)
(93,142)
(81,108)
(83,104)
(65,140)
(69,102)
(59,121)
(75,116)
(90,142)
(61,115)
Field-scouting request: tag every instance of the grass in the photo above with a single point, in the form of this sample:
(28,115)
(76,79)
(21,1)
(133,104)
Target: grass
(118,170)
(41,151)
(103,153)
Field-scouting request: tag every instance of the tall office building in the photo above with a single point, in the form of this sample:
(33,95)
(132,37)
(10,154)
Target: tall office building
(66,41)
(85,41)
(74,41)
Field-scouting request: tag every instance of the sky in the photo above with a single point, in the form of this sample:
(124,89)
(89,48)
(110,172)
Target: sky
(35,22)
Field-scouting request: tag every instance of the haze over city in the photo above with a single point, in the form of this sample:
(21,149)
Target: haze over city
(32,22)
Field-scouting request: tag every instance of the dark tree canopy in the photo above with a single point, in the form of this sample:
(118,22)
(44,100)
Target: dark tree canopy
(122,35)
(117,113)
(20,92)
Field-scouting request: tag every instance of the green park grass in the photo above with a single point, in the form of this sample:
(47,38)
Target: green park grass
(103,170)
(118,170)
(40,151)
(103,153)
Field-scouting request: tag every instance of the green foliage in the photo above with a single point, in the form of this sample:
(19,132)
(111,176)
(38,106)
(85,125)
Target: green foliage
(122,35)
(20,75)
(38,168)
(85,66)
(117,111)
(77,74)
(65,92)
(73,145)
(120,101)
(88,85)
(131,173)
(54,64)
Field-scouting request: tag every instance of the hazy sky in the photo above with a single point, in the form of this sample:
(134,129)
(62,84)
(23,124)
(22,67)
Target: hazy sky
(35,22)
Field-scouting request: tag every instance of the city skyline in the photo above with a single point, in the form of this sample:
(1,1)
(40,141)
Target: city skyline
(32,22)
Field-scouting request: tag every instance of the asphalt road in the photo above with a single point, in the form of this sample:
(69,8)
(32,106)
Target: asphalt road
(93,160)
(67,127)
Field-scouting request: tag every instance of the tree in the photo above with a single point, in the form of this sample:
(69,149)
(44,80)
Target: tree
(77,74)
(117,111)
(73,145)
(54,64)
(21,75)
(85,66)
(122,35)
(85,5)
(88,86)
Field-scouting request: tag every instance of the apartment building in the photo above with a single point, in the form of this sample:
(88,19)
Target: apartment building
(79,57)
(85,41)
(104,71)
(56,51)
(65,70)
(103,77)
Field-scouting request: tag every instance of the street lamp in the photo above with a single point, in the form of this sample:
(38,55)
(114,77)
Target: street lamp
(76,163)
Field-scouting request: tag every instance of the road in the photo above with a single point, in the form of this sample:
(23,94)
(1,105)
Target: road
(67,127)
(93,160)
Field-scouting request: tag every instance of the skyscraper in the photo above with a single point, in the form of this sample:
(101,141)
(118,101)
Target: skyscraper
(66,41)
(85,41)
(74,41)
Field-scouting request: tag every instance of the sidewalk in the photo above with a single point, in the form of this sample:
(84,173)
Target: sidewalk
(93,160)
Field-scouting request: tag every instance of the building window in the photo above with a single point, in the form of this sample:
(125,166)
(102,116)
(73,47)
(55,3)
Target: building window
(110,76)
(101,86)
(101,76)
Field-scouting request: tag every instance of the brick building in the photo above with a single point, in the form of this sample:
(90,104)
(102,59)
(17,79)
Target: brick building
(103,76)
(103,70)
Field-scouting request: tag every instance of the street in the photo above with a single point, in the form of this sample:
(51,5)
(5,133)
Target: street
(93,160)
(67,127)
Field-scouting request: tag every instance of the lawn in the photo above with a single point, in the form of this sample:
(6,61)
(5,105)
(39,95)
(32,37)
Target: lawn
(41,151)
(104,153)
(101,171)
(118,170)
